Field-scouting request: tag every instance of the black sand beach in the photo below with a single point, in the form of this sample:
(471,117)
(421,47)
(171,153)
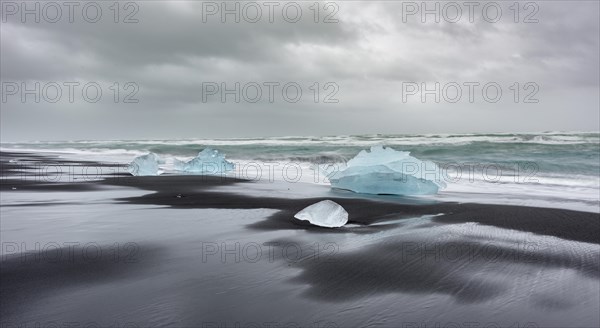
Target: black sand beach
(399,262)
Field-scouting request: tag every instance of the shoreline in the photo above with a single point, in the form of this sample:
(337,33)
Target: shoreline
(194,191)
(395,253)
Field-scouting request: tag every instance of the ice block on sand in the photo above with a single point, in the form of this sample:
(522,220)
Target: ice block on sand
(325,213)
(387,171)
(145,165)
(208,161)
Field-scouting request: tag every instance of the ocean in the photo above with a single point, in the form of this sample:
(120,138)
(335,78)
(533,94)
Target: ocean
(547,169)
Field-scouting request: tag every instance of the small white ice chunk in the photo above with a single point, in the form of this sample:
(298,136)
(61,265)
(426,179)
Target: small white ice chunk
(145,165)
(209,161)
(325,213)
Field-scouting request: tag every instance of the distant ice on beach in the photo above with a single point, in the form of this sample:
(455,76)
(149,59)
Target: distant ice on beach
(208,161)
(388,171)
(145,165)
(326,213)
(557,169)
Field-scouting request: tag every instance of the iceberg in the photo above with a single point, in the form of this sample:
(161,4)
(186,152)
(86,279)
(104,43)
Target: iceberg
(325,213)
(208,161)
(388,171)
(145,165)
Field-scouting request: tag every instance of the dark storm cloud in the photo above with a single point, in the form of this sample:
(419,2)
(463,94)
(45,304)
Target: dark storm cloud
(162,36)
(170,52)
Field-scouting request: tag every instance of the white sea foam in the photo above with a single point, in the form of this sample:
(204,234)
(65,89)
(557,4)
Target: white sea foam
(567,161)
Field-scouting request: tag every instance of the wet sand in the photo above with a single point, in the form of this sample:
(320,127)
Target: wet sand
(469,260)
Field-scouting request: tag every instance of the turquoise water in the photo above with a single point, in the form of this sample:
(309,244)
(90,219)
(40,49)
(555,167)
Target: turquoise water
(551,169)
(553,152)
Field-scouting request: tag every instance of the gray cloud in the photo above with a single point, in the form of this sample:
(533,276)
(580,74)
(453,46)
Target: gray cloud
(369,53)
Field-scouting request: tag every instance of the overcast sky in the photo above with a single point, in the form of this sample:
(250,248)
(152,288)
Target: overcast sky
(365,57)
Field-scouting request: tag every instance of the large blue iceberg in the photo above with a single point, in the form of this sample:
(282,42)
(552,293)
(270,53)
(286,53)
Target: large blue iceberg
(387,171)
(209,161)
(145,165)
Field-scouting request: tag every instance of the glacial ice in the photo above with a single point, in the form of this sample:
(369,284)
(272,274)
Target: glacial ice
(208,161)
(388,171)
(145,165)
(325,213)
